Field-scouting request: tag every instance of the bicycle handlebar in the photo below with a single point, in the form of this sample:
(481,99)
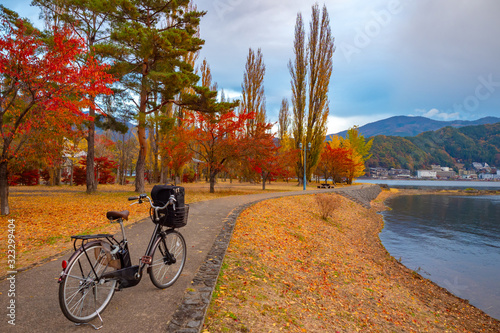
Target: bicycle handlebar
(171,201)
(140,197)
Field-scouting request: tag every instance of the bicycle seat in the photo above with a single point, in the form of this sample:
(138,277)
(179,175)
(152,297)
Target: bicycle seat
(112,215)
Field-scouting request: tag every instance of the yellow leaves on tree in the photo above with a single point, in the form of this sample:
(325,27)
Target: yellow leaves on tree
(345,158)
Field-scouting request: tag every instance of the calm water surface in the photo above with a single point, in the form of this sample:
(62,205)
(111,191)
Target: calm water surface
(416,183)
(451,240)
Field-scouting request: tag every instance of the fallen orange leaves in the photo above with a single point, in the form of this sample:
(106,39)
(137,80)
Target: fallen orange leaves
(287,268)
(45,220)
(46,216)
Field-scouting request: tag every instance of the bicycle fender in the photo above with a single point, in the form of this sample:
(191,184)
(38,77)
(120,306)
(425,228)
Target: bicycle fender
(64,273)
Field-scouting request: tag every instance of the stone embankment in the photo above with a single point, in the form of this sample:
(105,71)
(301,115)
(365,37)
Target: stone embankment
(362,195)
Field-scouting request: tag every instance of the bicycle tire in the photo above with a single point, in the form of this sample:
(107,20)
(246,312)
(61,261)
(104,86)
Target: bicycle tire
(164,271)
(81,296)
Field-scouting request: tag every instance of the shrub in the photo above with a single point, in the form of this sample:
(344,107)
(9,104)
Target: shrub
(25,177)
(103,167)
(79,175)
(189,176)
(327,203)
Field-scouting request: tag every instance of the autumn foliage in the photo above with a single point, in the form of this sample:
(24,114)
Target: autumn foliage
(103,170)
(344,158)
(335,163)
(175,148)
(46,83)
(216,138)
(24,177)
(262,153)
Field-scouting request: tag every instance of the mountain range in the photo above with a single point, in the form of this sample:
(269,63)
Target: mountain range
(405,126)
(446,147)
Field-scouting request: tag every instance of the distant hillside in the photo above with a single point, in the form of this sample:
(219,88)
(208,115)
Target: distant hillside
(411,126)
(444,147)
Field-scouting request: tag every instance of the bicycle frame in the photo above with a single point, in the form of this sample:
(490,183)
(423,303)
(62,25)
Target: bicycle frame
(129,275)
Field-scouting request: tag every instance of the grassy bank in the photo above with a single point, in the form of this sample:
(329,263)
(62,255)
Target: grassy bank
(287,269)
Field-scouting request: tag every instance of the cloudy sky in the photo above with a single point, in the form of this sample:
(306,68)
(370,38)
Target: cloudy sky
(433,58)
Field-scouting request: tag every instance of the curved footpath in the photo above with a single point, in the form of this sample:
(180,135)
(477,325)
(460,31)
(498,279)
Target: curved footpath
(144,308)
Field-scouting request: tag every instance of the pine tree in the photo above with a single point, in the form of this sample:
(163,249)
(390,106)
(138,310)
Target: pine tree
(151,40)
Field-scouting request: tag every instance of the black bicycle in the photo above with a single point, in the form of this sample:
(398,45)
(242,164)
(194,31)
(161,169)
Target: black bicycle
(101,264)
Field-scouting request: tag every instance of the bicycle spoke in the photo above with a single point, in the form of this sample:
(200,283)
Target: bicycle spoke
(83,295)
(169,255)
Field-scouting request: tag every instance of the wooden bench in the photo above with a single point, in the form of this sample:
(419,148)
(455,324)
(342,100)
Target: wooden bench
(325,186)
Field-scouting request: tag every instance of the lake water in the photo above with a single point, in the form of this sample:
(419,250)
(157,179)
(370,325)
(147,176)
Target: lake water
(437,184)
(452,240)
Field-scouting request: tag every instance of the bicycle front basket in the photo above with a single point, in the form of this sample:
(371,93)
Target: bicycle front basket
(173,218)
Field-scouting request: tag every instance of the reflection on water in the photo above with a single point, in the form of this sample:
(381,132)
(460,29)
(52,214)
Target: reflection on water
(452,240)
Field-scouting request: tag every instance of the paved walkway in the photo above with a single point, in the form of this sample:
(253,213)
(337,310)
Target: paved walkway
(144,308)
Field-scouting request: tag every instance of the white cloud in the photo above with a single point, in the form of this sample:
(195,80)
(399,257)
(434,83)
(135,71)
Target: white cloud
(437,115)
(339,124)
(230,94)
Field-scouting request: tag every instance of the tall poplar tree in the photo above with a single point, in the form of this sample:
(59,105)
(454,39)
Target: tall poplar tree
(321,49)
(298,72)
(253,89)
(283,120)
(311,72)
(151,40)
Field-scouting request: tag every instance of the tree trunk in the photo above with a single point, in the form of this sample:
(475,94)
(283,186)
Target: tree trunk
(141,132)
(123,167)
(57,176)
(141,160)
(264,179)
(213,174)
(156,153)
(91,182)
(4,189)
(71,174)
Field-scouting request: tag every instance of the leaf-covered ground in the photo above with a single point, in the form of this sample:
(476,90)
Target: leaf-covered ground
(286,269)
(46,216)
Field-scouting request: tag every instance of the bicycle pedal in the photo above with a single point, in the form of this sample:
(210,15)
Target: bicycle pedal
(147,260)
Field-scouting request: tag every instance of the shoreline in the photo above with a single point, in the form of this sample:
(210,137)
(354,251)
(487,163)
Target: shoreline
(427,191)
(432,277)
(362,287)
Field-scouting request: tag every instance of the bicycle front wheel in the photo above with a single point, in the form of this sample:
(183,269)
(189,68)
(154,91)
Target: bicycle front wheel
(82,293)
(168,259)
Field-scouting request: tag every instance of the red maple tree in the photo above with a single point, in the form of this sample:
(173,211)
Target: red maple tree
(265,156)
(45,83)
(175,148)
(336,163)
(104,167)
(216,139)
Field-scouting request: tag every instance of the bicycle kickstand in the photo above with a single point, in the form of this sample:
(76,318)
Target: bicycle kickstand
(93,326)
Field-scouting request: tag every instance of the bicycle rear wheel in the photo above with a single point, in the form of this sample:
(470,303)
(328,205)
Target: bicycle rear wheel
(82,294)
(168,259)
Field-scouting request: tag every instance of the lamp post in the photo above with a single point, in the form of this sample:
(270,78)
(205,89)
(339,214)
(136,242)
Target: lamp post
(305,161)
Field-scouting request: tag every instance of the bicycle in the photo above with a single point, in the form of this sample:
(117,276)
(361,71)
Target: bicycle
(101,264)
